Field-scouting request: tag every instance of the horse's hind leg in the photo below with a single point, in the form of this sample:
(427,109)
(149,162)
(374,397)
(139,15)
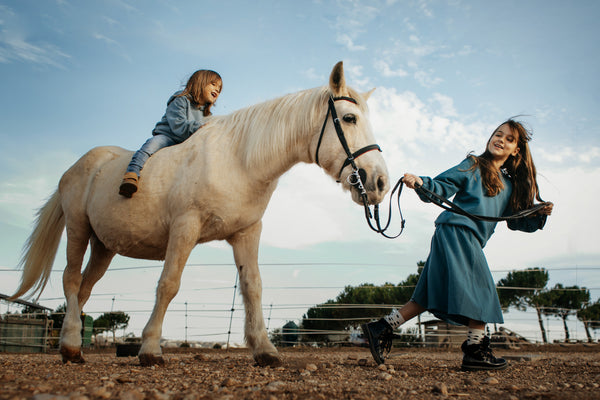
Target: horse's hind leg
(70,334)
(100,258)
(245,251)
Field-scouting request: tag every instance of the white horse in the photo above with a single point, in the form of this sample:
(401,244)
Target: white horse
(214,186)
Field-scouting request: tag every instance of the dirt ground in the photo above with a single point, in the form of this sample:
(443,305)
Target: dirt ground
(548,372)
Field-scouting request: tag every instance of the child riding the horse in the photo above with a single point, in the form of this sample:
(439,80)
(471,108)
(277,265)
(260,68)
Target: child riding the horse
(185,114)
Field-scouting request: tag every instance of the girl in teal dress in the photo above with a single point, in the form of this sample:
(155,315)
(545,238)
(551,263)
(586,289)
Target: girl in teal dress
(456,284)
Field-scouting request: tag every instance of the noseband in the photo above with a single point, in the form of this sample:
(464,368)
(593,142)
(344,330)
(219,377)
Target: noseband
(354,178)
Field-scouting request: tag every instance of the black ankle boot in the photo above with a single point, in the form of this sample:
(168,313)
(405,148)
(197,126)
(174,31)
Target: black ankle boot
(479,357)
(379,334)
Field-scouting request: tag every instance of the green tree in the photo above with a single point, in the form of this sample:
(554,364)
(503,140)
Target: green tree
(36,313)
(111,321)
(566,301)
(590,316)
(521,289)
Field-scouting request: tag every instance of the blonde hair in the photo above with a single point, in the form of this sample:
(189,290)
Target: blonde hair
(194,89)
(520,168)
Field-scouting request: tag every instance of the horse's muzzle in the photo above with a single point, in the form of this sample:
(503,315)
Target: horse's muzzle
(372,188)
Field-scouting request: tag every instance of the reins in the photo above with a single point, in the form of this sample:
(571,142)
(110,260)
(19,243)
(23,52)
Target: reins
(440,202)
(451,206)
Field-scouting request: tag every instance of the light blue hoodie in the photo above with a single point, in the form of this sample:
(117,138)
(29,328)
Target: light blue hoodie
(181,119)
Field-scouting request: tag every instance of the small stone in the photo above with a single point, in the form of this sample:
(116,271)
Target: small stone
(48,396)
(229,382)
(492,381)
(311,367)
(362,362)
(384,376)
(382,367)
(275,386)
(440,388)
(79,397)
(101,392)
(123,379)
(131,395)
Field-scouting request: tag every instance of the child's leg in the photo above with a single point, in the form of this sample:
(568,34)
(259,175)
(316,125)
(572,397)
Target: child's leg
(152,145)
(379,334)
(407,312)
(477,352)
(476,332)
(129,184)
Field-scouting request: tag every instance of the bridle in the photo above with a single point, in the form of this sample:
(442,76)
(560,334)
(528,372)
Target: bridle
(340,134)
(354,179)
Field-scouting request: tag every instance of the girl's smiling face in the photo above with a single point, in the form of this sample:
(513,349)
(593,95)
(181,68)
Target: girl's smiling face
(211,92)
(503,143)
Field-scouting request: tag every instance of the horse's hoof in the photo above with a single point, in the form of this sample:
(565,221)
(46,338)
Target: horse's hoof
(71,355)
(267,360)
(148,360)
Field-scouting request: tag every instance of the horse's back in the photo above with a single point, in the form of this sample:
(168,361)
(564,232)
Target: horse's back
(77,180)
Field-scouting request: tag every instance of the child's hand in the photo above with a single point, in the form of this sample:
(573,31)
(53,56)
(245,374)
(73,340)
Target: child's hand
(411,180)
(547,210)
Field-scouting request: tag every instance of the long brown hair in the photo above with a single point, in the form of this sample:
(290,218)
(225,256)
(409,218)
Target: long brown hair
(520,169)
(194,88)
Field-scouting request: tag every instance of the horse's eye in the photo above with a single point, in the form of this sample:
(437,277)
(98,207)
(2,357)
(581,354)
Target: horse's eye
(350,118)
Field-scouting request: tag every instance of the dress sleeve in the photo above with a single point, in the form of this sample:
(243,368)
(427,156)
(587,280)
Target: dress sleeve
(446,184)
(177,117)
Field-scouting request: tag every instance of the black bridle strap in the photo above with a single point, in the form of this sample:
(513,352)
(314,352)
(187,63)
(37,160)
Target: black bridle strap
(340,134)
(357,154)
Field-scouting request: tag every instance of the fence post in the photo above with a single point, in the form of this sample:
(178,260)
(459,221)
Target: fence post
(232,307)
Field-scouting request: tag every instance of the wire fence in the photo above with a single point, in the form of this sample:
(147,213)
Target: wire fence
(221,321)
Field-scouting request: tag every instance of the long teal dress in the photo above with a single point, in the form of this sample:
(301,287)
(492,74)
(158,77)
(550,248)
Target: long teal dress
(456,284)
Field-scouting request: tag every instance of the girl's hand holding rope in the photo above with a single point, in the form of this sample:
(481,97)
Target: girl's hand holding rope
(548,209)
(411,180)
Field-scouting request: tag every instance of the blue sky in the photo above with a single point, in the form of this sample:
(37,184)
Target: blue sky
(76,75)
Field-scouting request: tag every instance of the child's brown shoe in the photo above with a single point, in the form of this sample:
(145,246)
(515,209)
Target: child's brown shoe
(129,184)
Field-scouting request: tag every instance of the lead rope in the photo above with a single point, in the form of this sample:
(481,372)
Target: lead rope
(355,180)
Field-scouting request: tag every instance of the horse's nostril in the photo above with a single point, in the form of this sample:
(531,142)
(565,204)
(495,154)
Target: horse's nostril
(363,175)
(381,184)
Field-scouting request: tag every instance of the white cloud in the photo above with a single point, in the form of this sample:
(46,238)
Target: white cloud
(345,40)
(104,38)
(584,155)
(445,105)
(427,78)
(385,69)
(13,47)
(312,74)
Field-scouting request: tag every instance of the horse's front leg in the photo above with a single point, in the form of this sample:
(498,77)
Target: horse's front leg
(245,251)
(182,239)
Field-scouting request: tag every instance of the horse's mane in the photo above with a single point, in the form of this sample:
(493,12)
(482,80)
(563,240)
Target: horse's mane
(264,131)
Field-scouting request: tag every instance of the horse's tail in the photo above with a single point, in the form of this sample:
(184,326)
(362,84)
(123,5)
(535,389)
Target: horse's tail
(41,246)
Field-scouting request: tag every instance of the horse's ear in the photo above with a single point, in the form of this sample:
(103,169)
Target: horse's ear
(337,82)
(368,94)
